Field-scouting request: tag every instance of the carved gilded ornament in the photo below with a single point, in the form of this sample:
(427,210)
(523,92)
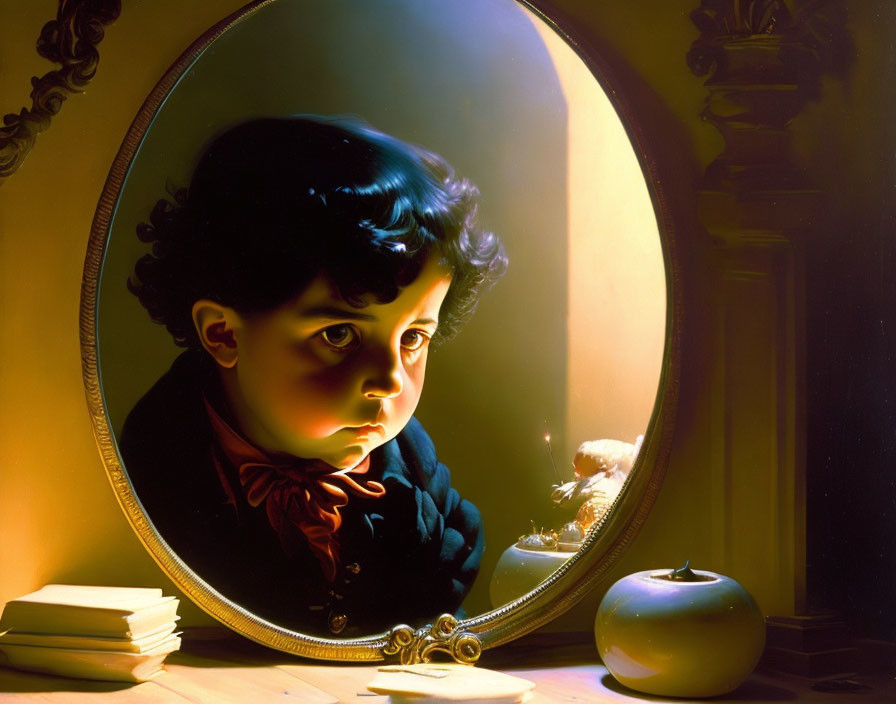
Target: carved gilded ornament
(70,41)
(416,646)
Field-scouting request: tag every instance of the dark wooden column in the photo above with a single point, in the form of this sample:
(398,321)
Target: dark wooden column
(763,62)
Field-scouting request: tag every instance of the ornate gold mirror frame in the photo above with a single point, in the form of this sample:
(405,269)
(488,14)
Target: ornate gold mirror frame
(465,639)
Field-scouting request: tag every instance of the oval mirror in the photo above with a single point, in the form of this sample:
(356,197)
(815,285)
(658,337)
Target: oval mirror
(570,346)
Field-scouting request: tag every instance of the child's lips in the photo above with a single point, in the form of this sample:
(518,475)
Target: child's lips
(366,430)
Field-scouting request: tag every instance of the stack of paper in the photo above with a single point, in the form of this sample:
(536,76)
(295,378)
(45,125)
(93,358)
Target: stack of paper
(105,633)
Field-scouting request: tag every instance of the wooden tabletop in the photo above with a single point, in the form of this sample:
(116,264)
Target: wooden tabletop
(221,668)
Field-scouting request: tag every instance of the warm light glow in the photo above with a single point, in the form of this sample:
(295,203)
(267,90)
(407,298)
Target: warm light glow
(547,437)
(616,281)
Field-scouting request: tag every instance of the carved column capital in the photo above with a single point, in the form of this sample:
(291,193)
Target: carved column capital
(763,61)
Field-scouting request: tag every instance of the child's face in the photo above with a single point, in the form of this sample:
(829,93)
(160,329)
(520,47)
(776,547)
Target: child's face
(319,379)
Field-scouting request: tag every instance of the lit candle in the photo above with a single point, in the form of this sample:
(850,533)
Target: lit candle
(547,439)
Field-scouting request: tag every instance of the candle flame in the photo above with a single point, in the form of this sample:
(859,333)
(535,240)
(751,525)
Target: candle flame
(547,440)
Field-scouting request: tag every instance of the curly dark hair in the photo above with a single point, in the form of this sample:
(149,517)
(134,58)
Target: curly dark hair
(275,202)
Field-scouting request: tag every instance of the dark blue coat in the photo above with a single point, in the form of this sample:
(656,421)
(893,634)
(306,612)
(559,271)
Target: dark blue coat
(405,557)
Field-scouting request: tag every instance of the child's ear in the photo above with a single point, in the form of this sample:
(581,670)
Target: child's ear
(216,326)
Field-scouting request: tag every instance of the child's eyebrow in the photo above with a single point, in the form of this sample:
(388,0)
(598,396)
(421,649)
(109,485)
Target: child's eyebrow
(335,313)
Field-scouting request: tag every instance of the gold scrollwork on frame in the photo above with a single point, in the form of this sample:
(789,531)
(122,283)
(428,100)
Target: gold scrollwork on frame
(70,40)
(416,646)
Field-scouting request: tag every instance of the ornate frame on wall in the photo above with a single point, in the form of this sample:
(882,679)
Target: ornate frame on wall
(464,639)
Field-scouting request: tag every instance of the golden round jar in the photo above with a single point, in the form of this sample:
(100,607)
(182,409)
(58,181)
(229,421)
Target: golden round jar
(680,633)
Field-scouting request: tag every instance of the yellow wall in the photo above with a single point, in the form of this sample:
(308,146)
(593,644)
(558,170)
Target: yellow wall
(58,517)
(59,520)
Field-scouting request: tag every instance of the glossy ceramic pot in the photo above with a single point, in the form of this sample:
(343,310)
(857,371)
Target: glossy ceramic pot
(520,570)
(680,633)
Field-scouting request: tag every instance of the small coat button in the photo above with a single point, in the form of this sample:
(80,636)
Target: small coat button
(353,568)
(337,623)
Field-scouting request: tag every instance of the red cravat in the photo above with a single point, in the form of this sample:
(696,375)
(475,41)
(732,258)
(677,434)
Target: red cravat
(296,493)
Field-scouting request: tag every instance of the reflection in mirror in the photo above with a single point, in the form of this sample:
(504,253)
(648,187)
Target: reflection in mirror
(307,269)
(567,346)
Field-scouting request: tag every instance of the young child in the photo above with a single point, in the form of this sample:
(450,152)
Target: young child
(307,270)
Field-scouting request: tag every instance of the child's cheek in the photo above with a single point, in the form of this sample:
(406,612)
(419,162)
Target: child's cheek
(328,389)
(410,396)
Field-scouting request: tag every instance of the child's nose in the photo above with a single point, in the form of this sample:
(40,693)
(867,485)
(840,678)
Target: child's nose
(383,378)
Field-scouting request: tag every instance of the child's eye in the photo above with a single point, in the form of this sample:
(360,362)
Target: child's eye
(413,340)
(340,337)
